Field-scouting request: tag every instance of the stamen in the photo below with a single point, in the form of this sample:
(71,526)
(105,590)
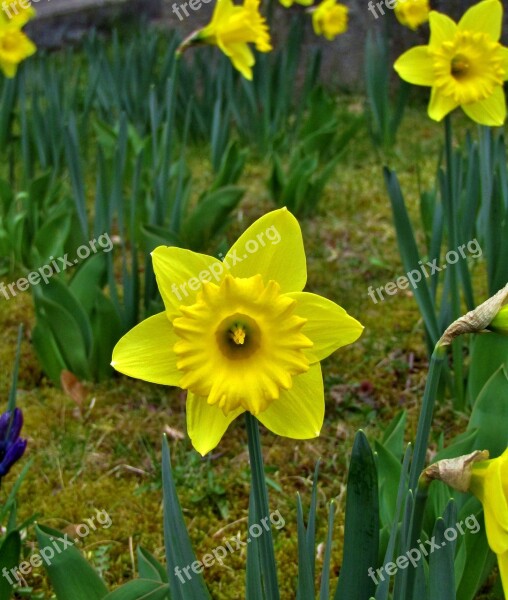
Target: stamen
(237,334)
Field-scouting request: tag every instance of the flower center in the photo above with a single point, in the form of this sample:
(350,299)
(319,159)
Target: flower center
(469,67)
(240,344)
(460,66)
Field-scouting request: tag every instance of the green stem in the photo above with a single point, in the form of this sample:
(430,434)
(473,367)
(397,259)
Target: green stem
(451,208)
(425,420)
(260,497)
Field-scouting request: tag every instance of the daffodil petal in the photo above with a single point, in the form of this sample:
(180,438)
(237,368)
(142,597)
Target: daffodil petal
(146,352)
(415,66)
(487,484)
(272,247)
(241,56)
(440,105)
(299,412)
(180,274)
(484,17)
(502,561)
(206,424)
(491,111)
(442,29)
(328,325)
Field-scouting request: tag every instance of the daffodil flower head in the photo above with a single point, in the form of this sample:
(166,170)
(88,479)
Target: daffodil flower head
(232,28)
(464,64)
(240,335)
(15,47)
(412,13)
(330,19)
(489,483)
(14,13)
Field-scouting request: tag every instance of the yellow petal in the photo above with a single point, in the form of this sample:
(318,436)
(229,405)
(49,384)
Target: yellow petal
(146,352)
(206,424)
(484,17)
(298,413)
(241,56)
(491,111)
(442,29)
(487,484)
(180,274)
(272,247)
(440,105)
(415,66)
(328,325)
(502,561)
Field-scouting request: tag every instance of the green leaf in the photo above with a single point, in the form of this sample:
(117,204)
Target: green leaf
(10,552)
(490,414)
(70,574)
(441,561)
(210,216)
(179,552)
(393,436)
(361,534)
(410,255)
(140,589)
(305,578)
(478,563)
(149,567)
(488,353)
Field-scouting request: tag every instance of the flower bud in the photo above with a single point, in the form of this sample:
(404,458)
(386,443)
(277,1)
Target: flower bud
(455,472)
(479,319)
(499,323)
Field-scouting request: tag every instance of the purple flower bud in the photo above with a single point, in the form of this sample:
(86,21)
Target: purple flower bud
(12,446)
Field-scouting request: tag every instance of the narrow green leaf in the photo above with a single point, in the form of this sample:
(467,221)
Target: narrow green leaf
(361,534)
(70,574)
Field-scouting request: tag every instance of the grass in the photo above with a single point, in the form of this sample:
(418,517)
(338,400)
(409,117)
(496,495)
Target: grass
(105,453)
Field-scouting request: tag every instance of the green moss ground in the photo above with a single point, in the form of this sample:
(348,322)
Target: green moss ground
(106,455)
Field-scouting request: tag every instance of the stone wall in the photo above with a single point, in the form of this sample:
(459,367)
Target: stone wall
(61,21)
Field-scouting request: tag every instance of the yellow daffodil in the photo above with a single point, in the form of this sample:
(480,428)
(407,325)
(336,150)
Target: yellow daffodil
(14,13)
(489,483)
(289,3)
(412,13)
(232,28)
(330,19)
(15,47)
(464,64)
(240,335)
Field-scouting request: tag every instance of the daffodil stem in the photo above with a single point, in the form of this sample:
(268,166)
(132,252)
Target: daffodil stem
(451,211)
(264,543)
(425,420)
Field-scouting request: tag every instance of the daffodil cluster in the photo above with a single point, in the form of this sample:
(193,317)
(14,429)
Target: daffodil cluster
(464,64)
(15,46)
(251,340)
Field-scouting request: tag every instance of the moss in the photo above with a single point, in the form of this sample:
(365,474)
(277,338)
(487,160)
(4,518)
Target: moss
(105,455)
